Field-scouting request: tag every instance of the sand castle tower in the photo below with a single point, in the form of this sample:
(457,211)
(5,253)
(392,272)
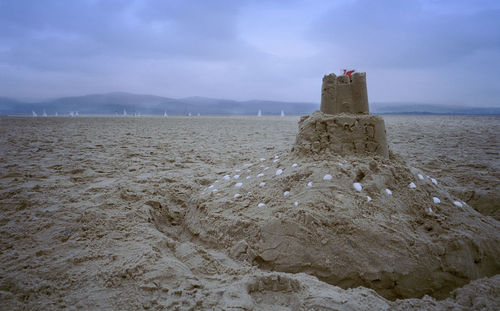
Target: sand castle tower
(343,94)
(343,125)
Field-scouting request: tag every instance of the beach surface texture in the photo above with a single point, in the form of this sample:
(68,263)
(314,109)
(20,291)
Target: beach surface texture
(244,213)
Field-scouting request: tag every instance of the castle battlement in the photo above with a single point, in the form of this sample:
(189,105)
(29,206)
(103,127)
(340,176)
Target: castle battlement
(341,94)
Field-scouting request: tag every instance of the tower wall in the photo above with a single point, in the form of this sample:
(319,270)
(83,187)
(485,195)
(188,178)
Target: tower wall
(329,94)
(359,93)
(341,95)
(343,101)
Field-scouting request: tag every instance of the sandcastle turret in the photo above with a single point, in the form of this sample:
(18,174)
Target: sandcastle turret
(343,94)
(343,125)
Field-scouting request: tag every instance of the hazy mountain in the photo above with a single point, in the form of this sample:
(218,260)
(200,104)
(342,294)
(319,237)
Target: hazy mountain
(419,108)
(116,103)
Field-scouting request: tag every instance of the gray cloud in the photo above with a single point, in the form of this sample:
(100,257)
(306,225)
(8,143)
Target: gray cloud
(391,33)
(250,49)
(52,34)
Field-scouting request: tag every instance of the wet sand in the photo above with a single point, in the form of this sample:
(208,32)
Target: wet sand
(81,197)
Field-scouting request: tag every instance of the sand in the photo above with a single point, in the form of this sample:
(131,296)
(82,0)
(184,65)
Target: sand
(121,213)
(461,151)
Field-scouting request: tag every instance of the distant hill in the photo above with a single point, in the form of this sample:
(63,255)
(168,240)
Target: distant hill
(418,108)
(118,102)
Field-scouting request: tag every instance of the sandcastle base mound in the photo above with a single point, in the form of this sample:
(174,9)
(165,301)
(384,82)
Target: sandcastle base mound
(341,134)
(350,221)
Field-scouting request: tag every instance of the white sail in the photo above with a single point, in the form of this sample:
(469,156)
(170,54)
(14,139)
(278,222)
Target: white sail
(124,112)
(165,114)
(34,113)
(282,113)
(44,113)
(259,114)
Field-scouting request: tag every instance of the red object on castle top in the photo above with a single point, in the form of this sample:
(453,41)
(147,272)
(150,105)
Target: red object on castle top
(348,73)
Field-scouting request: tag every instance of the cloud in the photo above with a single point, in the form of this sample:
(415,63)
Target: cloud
(52,34)
(249,49)
(391,33)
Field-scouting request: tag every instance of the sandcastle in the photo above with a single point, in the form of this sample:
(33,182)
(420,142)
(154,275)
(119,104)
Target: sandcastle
(343,125)
(339,208)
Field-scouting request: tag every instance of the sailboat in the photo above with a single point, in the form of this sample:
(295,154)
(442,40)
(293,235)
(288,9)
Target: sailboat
(124,112)
(165,115)
(282,113)
(44,113)
(259,114)
(34,113)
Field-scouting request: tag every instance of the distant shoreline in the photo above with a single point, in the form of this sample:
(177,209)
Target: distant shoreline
(129,104)
(87,115)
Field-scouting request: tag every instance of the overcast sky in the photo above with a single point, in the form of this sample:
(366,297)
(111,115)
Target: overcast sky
(429,51)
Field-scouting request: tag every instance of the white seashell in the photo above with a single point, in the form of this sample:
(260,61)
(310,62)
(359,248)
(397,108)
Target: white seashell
(276,157)
(227,177)
(412,185)
(368,198)
(261,205)
(210,187)
(248,177)
(266,168)
(275,160)
(434,181)
(389,192)
(279,172)
(286,193)
(236,176)
(357,186)
(262,159)
(260,175)
(237,195)
(239,184)
(296,203)
(310,184)
(262,184)
(327,177)
(420,177)
(459,204)
(294,165)
(436,200)
(237,170)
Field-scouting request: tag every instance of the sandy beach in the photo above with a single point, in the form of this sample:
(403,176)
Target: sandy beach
(121,213)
